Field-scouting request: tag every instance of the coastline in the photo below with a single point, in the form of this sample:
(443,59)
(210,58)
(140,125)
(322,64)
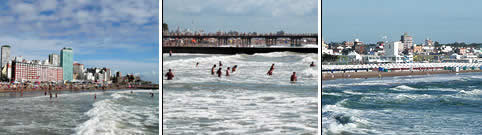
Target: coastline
(78,89)
(350,75)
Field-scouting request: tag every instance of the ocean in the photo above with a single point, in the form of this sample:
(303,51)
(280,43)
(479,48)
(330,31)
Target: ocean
(445,104)
(247,102)
(113,112)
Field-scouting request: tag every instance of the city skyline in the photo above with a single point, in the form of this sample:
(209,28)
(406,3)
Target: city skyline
(121,35)
(242,15)
(370,21)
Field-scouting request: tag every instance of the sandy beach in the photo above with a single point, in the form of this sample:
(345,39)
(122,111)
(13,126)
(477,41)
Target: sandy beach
(330,76)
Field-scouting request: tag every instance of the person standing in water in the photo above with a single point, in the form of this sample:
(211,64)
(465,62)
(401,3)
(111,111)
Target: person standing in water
(212,69)
(169,75)
(270,72)
(220,64)
(219,72)
(170,52)
(293,77)
(312,64)
(234,68)
(197,63)
(227,71)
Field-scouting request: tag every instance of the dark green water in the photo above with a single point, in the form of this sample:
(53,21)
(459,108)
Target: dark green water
(433,104)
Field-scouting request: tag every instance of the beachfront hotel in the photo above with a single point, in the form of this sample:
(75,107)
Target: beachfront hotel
(66,62)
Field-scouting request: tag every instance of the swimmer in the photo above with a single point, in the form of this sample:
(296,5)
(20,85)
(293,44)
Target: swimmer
(220,64)
(219,72)
(293,77)
(152,94)
(197,63)
(234,68)
(270,72)
(312,64)
(212,69)
(169,75)
(227,71)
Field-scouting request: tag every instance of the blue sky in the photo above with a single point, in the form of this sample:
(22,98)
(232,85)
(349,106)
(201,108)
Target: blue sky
(294,16)
(122,35)
(445,21)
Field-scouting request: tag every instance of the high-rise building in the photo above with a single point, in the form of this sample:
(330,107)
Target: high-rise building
(407,41)
(67,63)
(5,55)
(78,71)
(108,74)
(54,59)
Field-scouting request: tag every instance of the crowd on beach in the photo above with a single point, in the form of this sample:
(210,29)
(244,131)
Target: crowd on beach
(393,69)
(51,88)
(219,72)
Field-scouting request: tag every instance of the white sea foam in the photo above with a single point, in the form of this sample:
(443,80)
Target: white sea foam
(403,88)
(355,124)
(109,117)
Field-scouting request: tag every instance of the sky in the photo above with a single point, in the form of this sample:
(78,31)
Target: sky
(261,16)
(446,21)
(121,35)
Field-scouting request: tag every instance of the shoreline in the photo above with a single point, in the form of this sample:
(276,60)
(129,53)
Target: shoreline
(352,75)
(74,89)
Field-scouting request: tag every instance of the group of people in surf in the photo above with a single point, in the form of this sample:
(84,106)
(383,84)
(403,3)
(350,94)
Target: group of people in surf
(293,78)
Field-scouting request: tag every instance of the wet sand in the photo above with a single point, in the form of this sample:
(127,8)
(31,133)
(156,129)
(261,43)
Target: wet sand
(330,76)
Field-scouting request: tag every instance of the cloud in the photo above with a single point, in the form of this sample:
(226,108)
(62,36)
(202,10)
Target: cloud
(244,7)
(296,16)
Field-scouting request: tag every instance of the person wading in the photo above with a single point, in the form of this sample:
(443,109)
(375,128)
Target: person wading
(219,72)
(169,75)
(293,77)
(270,71)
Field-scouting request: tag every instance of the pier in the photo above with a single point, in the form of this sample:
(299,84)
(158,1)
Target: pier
(236,50)
(245,38)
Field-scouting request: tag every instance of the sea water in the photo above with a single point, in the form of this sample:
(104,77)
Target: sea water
(428,104)
(246,102)
(112,112)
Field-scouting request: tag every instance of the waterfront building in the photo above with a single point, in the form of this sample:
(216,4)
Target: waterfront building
(22,71)
(79,71)
(66,62)
(54,59)
(407,41)
(392,54)
(108,74)
(5,55)
(428,42)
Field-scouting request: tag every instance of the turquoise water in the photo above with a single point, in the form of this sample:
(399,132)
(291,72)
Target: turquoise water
(247,102)
(113,112)
(429,104)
